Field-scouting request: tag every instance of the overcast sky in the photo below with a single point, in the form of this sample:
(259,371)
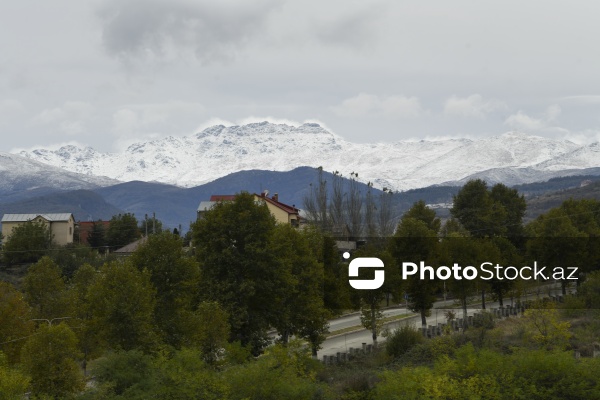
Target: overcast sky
(107,73)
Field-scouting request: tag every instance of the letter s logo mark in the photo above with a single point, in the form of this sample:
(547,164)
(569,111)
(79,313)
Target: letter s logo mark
(366,262)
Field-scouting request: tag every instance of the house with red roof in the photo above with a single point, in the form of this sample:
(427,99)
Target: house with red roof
(282,212)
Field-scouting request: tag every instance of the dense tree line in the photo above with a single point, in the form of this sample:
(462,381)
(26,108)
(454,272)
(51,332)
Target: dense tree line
(247,275)
(192,319)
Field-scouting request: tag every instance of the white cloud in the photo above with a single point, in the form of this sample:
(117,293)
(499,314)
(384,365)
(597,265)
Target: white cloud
(371,105)
(134,118)
(522,121)
(472,106)
(553,112)
(10,108)
(125,122)
(587,136)
(70,118)
(352,25)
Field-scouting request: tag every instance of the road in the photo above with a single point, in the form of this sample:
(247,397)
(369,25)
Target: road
(354,319)
(342,342)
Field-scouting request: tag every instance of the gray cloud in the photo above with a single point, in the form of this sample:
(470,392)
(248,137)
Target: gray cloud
(372,71)
(210,30)
(350,26)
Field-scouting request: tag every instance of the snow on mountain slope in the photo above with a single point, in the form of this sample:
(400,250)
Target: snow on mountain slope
(19,175)
(219,150)
(581,157)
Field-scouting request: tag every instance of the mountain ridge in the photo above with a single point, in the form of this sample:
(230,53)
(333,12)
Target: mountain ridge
(217,151)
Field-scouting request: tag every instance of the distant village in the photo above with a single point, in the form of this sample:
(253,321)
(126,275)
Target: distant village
(65,230)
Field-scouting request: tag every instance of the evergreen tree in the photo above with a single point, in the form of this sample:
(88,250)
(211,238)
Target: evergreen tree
(97,235)
(122,230)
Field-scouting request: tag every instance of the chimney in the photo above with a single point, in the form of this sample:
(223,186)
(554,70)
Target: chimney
(276,197)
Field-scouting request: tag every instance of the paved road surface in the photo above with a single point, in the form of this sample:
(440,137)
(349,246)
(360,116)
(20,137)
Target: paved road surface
(342,343)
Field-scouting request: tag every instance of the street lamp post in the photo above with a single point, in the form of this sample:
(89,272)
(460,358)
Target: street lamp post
(49,321)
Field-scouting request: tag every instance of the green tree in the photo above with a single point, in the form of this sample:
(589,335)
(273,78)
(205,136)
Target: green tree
(89,341)
(175,276)
(545,326)
(283,372)
(122,230)
(489,213)
(506,254)
(299,298)
(15,324)
(27,242)
(212,331)
(71,256)
(336,292)
(414,242)
(185,376)
(127,374)
(555,242)
(13,382)
(370,300)
(466,252)
(46,292)
(421,212)
(590,291)
(122,303)
(472,207)
(50,358)
(232,246)
(97,235)
(584,214)
(513,206)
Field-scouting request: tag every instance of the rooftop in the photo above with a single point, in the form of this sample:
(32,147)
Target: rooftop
(52,217)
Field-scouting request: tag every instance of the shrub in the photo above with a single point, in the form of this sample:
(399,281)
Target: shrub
(484,320)
(403,339)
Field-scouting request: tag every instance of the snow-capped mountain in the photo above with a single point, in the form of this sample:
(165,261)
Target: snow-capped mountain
(20,175)
(218,151)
